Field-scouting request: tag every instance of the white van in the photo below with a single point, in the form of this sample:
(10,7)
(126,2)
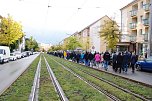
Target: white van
(4,54)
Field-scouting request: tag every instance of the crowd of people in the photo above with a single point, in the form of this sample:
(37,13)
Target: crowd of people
(120,61)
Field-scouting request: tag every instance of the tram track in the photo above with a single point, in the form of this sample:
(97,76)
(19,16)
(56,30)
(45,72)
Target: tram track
(112,84)
(35,88)
(56,83)
(110,96)
(34,95)
(75,87)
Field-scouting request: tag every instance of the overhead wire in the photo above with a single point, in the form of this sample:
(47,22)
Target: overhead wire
(46,16)
(76,12)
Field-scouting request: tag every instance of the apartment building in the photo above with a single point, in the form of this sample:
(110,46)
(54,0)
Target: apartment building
(136,26)
(44,46)
(89,36)
(96,42)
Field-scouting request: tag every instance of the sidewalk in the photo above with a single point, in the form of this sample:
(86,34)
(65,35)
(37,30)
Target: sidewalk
(138,75)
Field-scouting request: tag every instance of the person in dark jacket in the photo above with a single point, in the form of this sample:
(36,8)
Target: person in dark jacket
(125,61)
(133,61)
(90,57)
(114,61)
(119,62)
(86,59)
(78,57)
(106,58)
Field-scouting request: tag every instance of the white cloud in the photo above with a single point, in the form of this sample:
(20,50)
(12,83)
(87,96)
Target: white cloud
(63,15)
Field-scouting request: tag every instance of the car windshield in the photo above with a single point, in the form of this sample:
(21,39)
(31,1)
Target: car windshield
(1,51)
(11,54)
(149,59)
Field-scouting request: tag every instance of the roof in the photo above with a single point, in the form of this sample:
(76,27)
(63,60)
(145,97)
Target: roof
(134,1)
(94,22)
(89,26)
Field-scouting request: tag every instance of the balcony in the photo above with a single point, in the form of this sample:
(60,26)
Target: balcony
(146,7)
(145,37)
(146,22)
(133,26)
(133,13)
(133,38)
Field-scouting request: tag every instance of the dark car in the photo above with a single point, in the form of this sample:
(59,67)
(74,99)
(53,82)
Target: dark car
(145,64)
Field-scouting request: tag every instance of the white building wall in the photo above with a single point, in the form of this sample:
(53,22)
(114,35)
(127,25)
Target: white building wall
(22,45)
(94,36)
(124,25)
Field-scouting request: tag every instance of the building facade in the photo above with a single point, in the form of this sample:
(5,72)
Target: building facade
(89,37)
(136,26)
(44,46)
(97,43)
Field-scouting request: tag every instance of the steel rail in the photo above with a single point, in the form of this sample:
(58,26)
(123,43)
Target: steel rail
(56,83)
(113,84)
(110,96)
(35,88)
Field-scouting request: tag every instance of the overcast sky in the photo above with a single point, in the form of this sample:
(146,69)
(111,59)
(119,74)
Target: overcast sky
(62,17)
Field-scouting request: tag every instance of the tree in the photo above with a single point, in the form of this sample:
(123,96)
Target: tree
(31,44)
(10,32)
(72,43)
(55,48)
(110,33)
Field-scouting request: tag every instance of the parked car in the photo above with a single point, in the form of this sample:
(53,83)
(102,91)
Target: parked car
(13,57)
(4,54)
(24,54)
(18,54)
(145,64)
(28,53)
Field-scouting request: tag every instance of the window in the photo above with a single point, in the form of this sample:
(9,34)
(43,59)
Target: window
(141,18)
(141,4)
(1,51)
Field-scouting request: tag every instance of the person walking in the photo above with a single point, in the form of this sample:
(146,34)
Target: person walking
(133,61)
(119,60)
(106,58)
(78,57)
(114,61)
(97,59)
(102,60)
(125,62)
(86,59)
(90,57)
(82,58)
(65,54)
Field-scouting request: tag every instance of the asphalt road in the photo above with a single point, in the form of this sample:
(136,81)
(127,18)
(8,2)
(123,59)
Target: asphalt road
(12,70)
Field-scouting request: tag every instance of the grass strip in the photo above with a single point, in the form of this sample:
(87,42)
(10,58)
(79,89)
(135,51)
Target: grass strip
(113,90)
(21,88)
(132,86)
(74,88)
(46,91)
